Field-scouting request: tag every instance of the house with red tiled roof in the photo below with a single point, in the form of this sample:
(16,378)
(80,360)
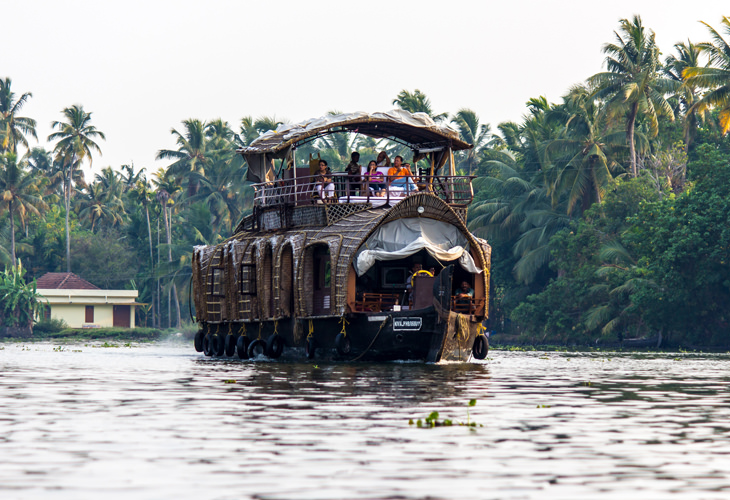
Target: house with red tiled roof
(81,304)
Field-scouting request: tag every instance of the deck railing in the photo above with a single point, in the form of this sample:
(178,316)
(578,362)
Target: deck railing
(454,190)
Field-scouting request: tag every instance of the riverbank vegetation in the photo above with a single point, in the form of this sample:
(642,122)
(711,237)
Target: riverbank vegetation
(607,211)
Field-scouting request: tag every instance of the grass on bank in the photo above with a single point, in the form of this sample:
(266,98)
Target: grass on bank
(57,330)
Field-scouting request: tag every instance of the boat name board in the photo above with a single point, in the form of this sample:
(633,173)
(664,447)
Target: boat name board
(377,318)
(411,324)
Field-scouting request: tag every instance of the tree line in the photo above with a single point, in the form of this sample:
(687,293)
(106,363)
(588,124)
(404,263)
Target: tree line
(605,210)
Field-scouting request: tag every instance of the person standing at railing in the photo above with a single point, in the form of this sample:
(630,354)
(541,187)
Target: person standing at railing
(353,173)
(325,187)
(400,176)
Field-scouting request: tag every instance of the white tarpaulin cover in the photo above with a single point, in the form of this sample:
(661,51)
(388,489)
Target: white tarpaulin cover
(405,237)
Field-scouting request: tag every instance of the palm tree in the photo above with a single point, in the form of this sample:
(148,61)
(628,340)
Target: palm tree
(166,189)
(41,164)
(221,189)
(265,123)
(632,84)
(75,144)
(129,177)
(474,133)
(13,128)
(614,311)
(518,209)
(583,157)
(688,56)
(20,193)
(197,146)
(102,202)
(715,77)
(248,132)
(417,102)
(142,195)
(197,231)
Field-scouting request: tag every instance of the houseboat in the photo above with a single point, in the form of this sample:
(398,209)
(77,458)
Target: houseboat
(329,267)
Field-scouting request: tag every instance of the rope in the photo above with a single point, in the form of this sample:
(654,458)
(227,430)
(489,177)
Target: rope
(311,330)
(480,329)
(344,322)
(242,331)
(276,327)
(463,330)
(261,325)
(374,339)
(230,328)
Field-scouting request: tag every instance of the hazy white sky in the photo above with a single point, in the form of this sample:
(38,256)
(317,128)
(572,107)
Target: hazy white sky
(143,66)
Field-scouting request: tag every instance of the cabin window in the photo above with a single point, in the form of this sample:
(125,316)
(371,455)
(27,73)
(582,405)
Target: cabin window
(217,284)
(248,279)
(47,313)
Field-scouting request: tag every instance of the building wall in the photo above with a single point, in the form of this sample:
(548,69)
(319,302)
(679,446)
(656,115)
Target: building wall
(70,305)
(74,315)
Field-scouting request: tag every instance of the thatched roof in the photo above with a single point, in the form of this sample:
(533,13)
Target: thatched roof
(418,130)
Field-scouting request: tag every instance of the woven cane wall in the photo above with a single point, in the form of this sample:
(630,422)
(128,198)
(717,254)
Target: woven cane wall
(343,238)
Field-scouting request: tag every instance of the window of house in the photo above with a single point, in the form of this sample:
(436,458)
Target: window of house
(89,314)
(248,279)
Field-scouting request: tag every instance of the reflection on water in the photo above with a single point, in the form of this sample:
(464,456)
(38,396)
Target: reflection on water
(160,421)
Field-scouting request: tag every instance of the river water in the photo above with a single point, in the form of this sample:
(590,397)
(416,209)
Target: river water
(151,421)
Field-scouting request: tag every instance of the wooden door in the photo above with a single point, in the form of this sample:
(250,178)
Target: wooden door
(121,316)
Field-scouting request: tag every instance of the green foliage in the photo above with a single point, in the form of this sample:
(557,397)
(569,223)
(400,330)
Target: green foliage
(104,258)
(49,326)
(684,243)
(136,334)
(572,308)
(578,252)
(20,303)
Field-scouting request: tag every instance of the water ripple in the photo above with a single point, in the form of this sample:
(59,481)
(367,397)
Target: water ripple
(159,421)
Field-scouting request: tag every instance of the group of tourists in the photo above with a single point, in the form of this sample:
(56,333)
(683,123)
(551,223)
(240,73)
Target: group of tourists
(399,178)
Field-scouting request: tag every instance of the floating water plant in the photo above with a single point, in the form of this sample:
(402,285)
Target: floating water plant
(432,420)
(229,381)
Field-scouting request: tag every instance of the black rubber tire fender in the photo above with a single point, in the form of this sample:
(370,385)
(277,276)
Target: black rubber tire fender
(274,346)
(217,345)
(230,345)
(198,342)
(310,346)
(481,347)
(242,346)
(254,345)
(342,343)
(206,345)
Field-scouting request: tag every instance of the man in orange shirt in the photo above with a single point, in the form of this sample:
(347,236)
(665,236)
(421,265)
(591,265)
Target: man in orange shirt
(400,176)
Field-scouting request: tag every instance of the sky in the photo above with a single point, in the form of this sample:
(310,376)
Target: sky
(141,67)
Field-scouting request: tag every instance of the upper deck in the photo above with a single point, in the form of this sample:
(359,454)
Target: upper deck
(301,190)
(282,185)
